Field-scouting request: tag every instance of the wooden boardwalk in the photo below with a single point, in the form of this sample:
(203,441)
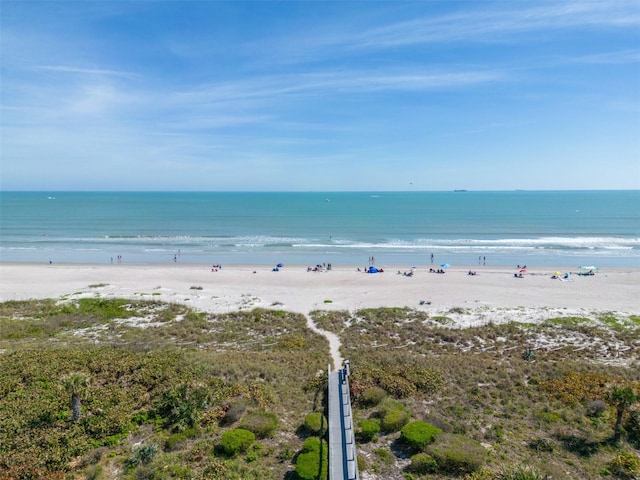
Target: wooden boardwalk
(343,461)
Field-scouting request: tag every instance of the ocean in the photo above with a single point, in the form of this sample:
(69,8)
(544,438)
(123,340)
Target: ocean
(546,228)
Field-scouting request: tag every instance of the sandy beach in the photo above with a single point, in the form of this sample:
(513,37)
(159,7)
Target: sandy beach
(493,294)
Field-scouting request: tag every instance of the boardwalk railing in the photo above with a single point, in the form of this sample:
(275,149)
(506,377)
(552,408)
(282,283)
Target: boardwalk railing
(343,461)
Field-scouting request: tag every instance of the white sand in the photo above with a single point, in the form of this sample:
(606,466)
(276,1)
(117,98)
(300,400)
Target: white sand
(493,295)
(294,289)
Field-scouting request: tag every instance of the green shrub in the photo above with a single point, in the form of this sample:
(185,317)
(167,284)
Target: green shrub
(372,396)
(295,341)
(141,417)
(625,465)
(369,429)
(481,474)
(183,405)
(311,444)
(315,423)
(393,419)
(312,462)
(541,445)
(549,417)
(236,441)
(173,442)
(456,454)
(521,472)
(422,463)
(419,434)
(142,455)
(309,467)
(263,424)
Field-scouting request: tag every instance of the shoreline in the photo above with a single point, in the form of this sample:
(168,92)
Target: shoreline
(493,295)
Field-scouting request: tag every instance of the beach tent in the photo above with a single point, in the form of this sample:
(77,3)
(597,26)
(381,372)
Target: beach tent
(372,269)
(588,267)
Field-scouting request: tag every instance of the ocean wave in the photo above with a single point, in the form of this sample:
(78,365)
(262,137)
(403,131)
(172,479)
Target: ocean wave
(597,246)
(571,242)
(272,241)
(610,243)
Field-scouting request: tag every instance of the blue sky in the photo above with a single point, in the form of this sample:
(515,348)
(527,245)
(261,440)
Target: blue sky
(341,95)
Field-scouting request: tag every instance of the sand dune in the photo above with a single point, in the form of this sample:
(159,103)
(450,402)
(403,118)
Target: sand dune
(491,295)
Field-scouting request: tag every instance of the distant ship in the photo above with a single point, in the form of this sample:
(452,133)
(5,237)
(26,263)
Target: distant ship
(459,190)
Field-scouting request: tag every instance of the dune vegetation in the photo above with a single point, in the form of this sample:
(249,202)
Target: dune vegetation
(95,388)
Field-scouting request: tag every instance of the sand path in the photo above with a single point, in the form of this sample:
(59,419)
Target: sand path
(334,342)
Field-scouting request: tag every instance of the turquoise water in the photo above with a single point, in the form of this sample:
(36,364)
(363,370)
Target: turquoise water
(508,228)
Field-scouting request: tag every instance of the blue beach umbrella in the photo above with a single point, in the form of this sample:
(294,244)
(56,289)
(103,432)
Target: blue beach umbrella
(445,265)
(280,265)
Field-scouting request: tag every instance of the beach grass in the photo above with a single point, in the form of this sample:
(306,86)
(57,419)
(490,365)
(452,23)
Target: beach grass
(492,387)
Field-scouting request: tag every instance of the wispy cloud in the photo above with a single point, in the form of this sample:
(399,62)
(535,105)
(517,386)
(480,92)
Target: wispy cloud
(337,83)
(491,24)
(609,58)
(88,71)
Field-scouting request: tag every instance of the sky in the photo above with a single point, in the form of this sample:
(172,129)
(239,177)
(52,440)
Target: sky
(319,95)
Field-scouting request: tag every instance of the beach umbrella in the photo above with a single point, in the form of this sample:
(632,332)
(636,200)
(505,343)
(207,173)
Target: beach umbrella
(280,265)
(445,265)
(523,270)
(588,267)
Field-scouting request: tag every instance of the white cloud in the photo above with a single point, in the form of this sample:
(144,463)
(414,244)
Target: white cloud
(491,23)
(88,71)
